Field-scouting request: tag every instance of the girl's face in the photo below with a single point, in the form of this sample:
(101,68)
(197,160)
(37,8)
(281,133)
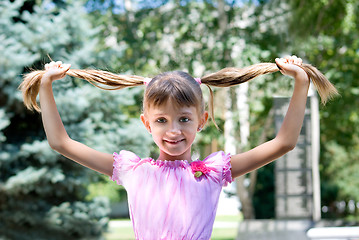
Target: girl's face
(173,129)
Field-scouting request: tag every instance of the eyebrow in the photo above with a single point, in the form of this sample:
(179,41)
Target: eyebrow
(181,113)
(185,112)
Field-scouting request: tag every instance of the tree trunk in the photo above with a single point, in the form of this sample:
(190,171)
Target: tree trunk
(245,186)
(237,101)
(246,197)
(229,128)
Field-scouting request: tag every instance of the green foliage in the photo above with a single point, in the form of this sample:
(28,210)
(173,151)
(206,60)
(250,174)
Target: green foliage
(343,170)
(264,200)
(326,34)
(42,194)
(4,122)
(115,193)
(104,119)
(190,37)
(175,36)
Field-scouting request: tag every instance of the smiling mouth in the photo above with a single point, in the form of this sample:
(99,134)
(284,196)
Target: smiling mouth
(173,141)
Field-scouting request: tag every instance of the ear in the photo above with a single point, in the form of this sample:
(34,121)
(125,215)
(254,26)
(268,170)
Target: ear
(203,120)
(146,123)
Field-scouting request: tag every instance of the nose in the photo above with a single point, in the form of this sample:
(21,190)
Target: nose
(174,129)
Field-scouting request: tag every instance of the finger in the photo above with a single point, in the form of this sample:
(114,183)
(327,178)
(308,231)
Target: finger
(300,61)
(280,62)
(287,59)
(65,67)
(291,60)
(277,64)
(52,64)
(296,60)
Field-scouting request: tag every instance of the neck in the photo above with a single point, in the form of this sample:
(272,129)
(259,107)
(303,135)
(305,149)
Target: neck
(165,156)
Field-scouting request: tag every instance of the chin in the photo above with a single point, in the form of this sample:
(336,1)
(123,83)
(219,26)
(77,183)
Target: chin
(175,155)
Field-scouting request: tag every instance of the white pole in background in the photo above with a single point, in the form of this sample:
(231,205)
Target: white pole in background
(314,106)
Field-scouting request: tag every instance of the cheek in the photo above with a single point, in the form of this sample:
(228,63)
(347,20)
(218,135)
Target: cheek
(194,126)
(157,133)
(192,132)
(157,139)
(156,128)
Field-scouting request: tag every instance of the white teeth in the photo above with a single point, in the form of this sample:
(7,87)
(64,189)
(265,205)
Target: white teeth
(170,141)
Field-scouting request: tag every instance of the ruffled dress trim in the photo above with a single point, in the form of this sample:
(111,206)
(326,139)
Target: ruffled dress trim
(123,162)
(227,173)
(126,161)
(170,164)
(224,161)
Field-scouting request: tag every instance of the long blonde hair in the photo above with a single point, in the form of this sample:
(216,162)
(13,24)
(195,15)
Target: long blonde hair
(224,78)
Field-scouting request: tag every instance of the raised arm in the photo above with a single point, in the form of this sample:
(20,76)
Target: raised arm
(55,132)
(287,136)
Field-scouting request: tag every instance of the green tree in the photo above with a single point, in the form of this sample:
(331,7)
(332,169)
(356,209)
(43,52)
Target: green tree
(185,35)
(326,32)
(42,194)
(189,36)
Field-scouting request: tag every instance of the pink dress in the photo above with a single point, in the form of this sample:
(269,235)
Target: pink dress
(172,200)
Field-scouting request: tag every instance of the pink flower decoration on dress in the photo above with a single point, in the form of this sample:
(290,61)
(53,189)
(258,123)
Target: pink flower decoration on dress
(199,168)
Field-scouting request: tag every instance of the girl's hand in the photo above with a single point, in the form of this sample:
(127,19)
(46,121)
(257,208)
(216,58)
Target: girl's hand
(291,66)
(55,70)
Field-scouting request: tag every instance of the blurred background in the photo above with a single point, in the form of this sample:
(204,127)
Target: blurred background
(45,196)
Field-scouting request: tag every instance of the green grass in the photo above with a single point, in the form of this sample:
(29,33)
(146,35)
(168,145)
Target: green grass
(224,234)
(120,234)
(229,218)
(126,233)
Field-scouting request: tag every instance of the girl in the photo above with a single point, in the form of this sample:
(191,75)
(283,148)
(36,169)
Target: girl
(174,196)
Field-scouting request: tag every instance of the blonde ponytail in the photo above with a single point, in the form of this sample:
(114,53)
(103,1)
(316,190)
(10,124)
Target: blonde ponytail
(232,76)
(224,78)
(31,85)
